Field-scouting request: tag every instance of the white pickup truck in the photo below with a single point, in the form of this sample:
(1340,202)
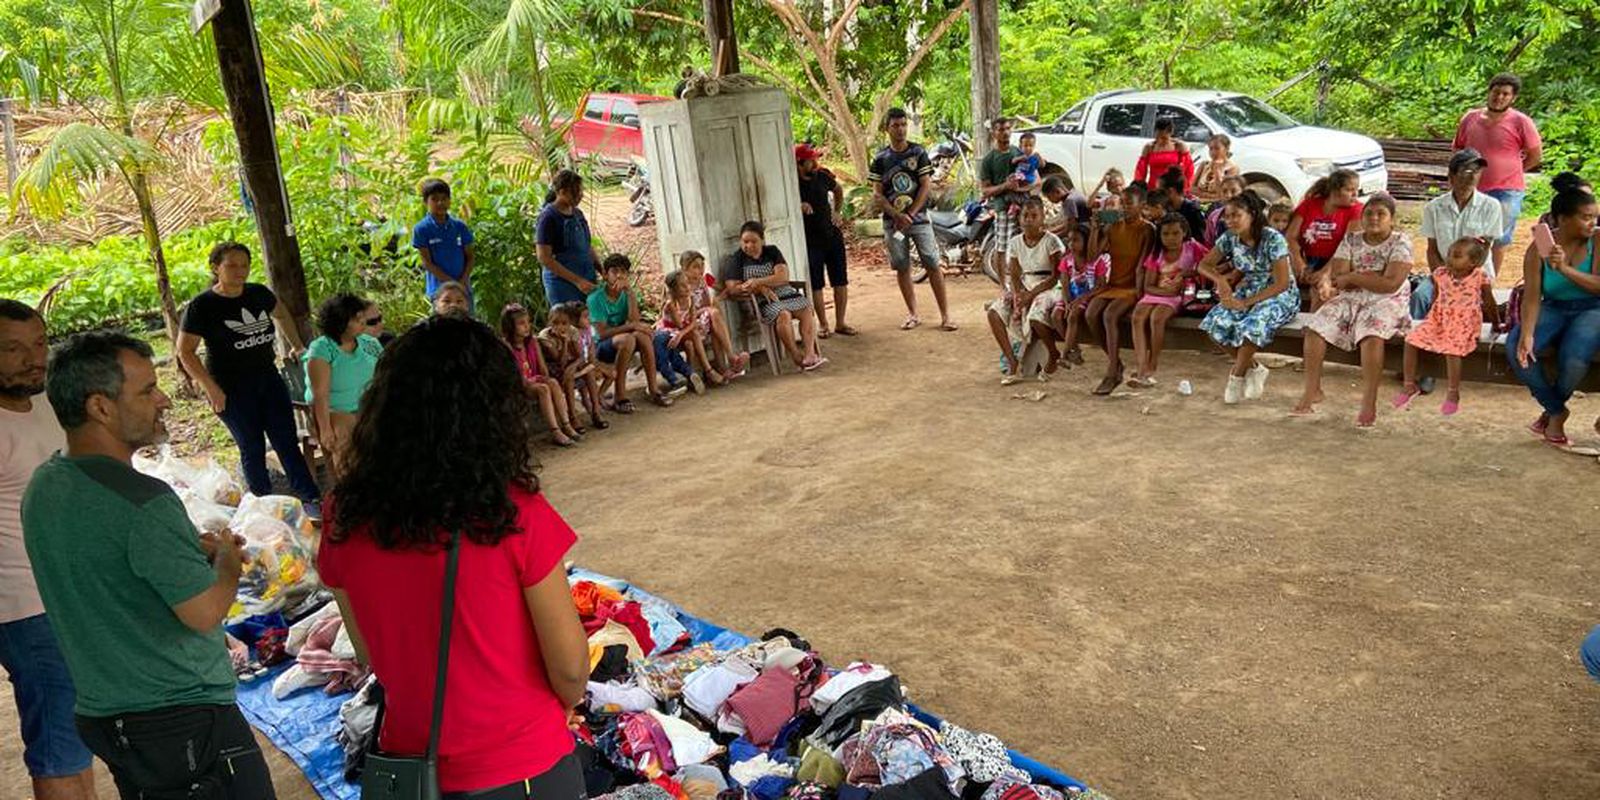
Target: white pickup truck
(1277,156)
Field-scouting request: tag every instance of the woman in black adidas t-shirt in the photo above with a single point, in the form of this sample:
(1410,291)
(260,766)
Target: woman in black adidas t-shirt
(240,373)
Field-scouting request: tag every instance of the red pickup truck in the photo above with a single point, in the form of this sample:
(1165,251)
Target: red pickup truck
(605,127)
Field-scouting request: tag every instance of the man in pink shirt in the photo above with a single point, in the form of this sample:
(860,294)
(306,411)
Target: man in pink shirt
(1509,141)
(56,758)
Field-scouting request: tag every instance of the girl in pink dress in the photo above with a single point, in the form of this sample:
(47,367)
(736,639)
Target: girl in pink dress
(1454,323)
(517,330)
(1165,273)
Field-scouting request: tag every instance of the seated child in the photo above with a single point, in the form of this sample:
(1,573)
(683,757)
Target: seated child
(1166,271)
(707,311)
(683,332)
(567,353)
(1208,184)
(516,328)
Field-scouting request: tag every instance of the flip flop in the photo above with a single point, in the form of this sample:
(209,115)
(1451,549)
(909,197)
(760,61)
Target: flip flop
(911,322)
(1561,443)
(1295,413)
(1107,386)
(824,334)
(813,363)
(1403,400)
(624,407)
(948,326)
(1366,424)
(845,330)
(1011,380)
(1450,407)
(1538,426)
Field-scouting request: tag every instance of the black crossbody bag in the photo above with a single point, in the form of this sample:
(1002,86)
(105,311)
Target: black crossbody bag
(388,777)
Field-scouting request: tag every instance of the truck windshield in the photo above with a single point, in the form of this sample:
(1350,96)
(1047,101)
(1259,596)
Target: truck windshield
(1247,116)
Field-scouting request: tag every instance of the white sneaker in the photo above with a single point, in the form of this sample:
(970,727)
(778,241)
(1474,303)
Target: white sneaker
(1255,382)
(1231,395)
(697,383)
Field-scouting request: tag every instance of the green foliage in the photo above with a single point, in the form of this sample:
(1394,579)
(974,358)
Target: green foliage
(110,282)
(75,152)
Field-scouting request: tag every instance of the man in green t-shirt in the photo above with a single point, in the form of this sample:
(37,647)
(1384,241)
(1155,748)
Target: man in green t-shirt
(136,596)
(997,182)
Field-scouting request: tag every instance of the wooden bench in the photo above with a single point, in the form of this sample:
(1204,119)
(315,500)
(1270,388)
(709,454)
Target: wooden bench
(1487,365)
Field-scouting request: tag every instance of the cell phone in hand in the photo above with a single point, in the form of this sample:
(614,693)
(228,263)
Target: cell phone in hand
(1110,216)
(1543,240)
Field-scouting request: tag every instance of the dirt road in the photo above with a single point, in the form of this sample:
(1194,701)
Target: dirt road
(1165,597)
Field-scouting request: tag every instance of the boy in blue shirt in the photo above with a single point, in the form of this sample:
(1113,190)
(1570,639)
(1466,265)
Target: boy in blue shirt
(444,242)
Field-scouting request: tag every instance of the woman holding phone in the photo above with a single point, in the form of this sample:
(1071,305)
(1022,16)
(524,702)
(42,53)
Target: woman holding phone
(1560,308)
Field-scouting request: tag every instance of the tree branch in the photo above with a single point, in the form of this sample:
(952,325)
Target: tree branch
(880,108)
(794,90)
(837,33)
(641,12)
(1522,44)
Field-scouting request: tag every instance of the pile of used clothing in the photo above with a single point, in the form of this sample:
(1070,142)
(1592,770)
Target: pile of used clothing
(766,720)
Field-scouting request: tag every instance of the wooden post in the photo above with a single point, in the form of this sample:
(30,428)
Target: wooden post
(985,36)
(8,130)
(722,38)
(250,107)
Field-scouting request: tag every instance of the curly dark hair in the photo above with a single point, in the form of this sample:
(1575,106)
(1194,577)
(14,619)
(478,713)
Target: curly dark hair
(335,313)
(443,434)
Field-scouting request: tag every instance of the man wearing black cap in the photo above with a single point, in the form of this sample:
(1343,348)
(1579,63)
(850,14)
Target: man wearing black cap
(1463,212)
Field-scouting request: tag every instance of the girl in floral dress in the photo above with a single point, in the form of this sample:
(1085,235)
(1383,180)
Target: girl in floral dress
(1454,323)
(1248,316)
(1365,302)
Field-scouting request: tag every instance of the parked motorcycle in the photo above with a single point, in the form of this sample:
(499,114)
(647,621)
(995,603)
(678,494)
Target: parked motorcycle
(637,185)
(966,241)
(955,149)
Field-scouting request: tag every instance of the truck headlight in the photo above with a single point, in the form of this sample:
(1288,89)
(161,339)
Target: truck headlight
(1315,167)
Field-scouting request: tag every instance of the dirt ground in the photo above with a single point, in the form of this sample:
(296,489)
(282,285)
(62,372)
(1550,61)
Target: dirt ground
(1160,595)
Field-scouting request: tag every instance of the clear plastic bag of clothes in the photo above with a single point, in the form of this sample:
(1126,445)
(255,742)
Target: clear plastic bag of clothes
(208,492)
(279,553)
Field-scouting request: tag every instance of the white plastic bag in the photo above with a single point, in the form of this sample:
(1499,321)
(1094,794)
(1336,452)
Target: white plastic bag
(279,554)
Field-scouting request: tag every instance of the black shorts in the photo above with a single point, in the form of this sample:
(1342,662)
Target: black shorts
(827,261)
(182,753)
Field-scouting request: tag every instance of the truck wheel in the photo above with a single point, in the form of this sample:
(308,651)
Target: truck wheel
(1266,188)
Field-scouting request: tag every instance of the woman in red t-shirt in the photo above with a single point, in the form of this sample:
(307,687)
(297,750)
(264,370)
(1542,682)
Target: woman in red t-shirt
(442,446)
(1163,154)
(1319,224)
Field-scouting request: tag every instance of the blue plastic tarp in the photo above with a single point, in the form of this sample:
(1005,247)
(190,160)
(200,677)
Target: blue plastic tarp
(304,724)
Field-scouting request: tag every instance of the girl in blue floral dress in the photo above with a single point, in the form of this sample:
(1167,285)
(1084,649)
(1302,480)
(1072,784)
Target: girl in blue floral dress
(1265,299)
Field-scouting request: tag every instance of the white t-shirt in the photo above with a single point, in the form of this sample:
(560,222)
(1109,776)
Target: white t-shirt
(1039,261)
(26,441)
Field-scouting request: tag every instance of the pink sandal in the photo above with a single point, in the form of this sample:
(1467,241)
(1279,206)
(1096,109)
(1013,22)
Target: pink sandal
(1450,407)
(1403,399)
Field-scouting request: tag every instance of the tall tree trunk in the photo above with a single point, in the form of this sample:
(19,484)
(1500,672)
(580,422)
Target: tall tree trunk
(8,130)
(985,36)
(543,102)
(158,256)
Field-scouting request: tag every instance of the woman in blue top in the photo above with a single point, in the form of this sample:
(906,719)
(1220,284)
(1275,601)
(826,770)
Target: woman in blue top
(339,365)
(1247,317)
(1560,310)
(564,246)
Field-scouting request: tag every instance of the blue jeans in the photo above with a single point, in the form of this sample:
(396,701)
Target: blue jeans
(1590,653)
(1510,209)
(671,364)
(1422,292)
(258,409)
(45,698)
(1572,329)
(920,234)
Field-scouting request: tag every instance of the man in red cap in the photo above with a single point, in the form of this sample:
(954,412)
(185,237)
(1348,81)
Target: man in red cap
(821,199)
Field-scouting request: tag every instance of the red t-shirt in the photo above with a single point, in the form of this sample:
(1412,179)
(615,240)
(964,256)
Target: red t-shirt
(1320,232)
(502,721)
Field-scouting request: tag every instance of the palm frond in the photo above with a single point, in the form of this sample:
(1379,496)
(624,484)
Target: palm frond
(18,71)
(73,153)
(188,68)
(526,23)
(308,58)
